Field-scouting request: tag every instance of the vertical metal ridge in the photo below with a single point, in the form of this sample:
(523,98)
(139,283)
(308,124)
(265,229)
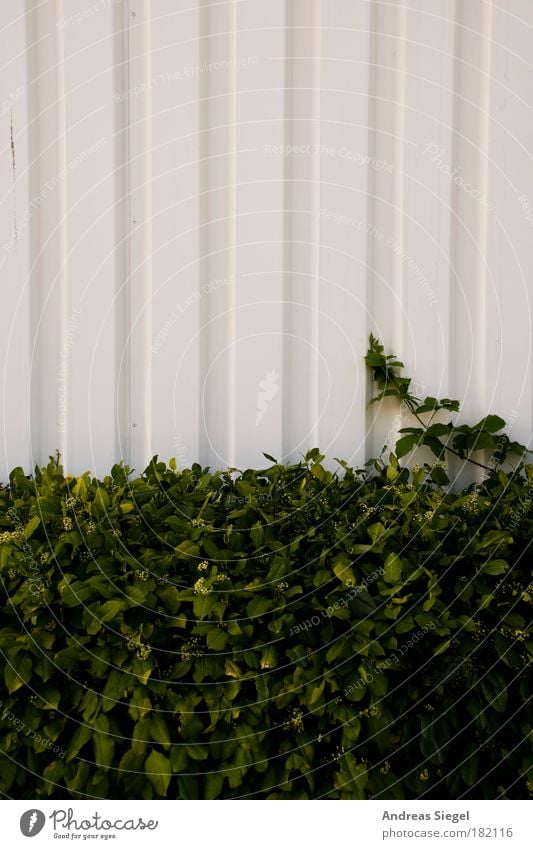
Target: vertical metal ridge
(398,180)
(482,216)
(218,175)
(62,273)
(48,239)
(232,222)
(452,246)
(121,260)
(139,228)
(385,208)
(370,210)
(203,225)
(286,355)
(297,50)
(372,133)
(314,299)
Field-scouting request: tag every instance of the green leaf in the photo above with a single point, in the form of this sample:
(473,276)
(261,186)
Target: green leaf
(232,670)
(16,679)
(439,429)
(439,476)
(187,787)
(495,567)
(318,471)
(392,569)
(81,736)
(442,647)
(494,689)
(197,752)
(376,531)
(256,534)
(104,749)
(80,489)
(342,568)
(491,423)
(406,444)
(217,639)
(203,605)
(316,693)
(110,610)
(50,695)
(428,405)
(158,771)
(32,525)
(214,780)
(495,538)
(187,549)
(258,605)
(159,731)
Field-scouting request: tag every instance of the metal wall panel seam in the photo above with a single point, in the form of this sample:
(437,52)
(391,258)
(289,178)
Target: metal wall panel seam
(231,411)
(482,218)
(139,226)
(62,275)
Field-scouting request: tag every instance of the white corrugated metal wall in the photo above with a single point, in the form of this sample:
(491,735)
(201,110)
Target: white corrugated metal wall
(207,206)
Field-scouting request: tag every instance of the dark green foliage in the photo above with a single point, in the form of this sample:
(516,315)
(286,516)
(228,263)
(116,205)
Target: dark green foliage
(284,634)
(290,632)
(440,437)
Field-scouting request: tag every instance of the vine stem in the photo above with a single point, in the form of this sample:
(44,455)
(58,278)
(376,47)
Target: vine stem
(447,447)
(412,408)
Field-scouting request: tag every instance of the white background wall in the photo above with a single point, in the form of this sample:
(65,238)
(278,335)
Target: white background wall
(205,207)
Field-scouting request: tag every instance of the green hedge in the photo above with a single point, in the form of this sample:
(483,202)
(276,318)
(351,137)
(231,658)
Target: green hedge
(282,633)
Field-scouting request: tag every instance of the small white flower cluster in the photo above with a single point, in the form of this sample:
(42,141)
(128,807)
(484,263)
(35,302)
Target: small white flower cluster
(71,502)
(142,574)
(201,588)
(12,573)
(143,652)
(203,566)
(134,644)
(91,527)
(198,523)
(11,536)
(190,649)
(369,511)
(472,504)
(67,524)
(282,586)
(295,721)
